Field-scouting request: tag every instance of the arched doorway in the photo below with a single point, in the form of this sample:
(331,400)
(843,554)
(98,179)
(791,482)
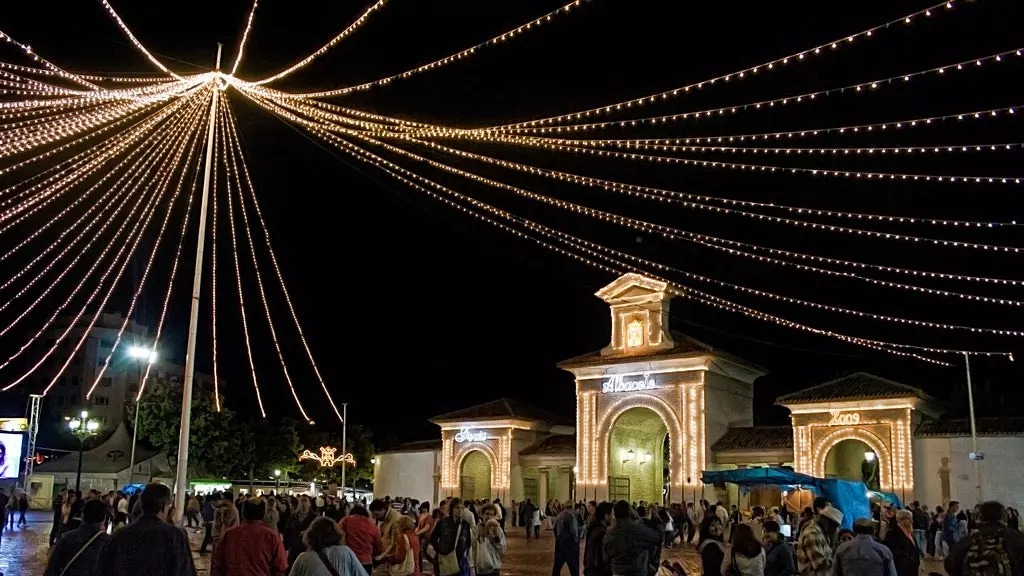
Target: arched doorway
(636,456)
(853,459)
(475,476)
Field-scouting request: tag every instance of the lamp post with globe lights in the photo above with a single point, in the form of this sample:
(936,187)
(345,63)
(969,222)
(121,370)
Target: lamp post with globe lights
(277,482)
(140,353)
(82,427)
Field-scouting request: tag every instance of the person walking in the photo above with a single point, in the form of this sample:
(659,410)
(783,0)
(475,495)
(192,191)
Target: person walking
(271,517)
(325,555)
(903,543)
(12,509)
(151,545)
(818,539)
(297,524)
(863,556)
(920,521)
(78,551)
(58,523)
(745,556)
(779,560)
(192,508)
(951,526)
(711,546)
(489,544)
(567,541)
(251,548)
(403,558)
(209,511)
(362,536)
(594,563)
(991,549)
(451,540)
(527,515)
(628,542)
(224,517)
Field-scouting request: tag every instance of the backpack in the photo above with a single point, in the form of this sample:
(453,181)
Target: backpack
(987,555)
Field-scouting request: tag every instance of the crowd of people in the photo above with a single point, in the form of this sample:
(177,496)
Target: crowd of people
(278,535)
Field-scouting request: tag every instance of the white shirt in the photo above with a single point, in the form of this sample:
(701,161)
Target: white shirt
(122,506)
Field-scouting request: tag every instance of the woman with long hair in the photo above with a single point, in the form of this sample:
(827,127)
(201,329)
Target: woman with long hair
(325,554)
(402,535)
(745,555)
(594,563)
(711,545)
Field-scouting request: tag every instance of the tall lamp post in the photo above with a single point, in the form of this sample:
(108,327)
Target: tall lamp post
(139,353)
(277,482)
(82,427)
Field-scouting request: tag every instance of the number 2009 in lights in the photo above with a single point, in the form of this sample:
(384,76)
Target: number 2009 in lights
(468,435)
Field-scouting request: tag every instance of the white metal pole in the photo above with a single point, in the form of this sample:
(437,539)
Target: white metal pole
(135,435)
(974,429)
(344,442)
(181,473)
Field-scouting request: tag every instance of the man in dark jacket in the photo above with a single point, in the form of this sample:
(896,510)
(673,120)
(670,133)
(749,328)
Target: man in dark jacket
(150,545)
(779,559)
(567,542)
(906,556)
(209,508)
(58,505)
(921,522)
(991,530)
(452,534)
(626,545)
(91,538)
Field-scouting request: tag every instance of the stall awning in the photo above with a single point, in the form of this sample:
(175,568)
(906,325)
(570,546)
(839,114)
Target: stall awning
(758,477)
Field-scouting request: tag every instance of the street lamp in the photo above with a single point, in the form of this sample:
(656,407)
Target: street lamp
(82,427)
(139,353)
(277,482)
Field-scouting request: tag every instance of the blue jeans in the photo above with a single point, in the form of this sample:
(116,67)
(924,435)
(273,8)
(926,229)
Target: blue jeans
(920,536)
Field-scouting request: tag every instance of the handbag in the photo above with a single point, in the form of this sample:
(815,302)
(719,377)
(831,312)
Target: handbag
(407,567)
(327,562)
(448,564)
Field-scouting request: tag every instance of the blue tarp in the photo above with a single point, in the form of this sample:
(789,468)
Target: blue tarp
(887,497)
(851,498)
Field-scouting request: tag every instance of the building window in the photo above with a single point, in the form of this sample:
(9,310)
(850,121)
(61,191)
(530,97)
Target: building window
(74,380)
(635,334)
(102,401)
(72,400)
(64,380)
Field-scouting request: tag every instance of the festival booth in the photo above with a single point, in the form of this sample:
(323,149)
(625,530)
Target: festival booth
(851,498)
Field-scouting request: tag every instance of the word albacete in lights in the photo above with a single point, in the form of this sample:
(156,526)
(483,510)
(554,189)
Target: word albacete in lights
(618,383)
(326,457)
(468,435)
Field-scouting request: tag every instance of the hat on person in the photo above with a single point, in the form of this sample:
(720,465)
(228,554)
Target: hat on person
(832,514)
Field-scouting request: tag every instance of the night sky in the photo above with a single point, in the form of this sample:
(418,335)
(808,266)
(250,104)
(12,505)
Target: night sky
(413,309)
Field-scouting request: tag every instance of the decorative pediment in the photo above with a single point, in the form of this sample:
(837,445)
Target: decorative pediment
(639,309)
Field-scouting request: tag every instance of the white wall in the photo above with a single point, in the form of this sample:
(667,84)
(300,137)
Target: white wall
(728,403)
(1001,470)
(407,474)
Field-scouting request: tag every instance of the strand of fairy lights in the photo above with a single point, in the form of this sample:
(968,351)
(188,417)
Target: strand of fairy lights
(725,304)
(633,191)
(868,86)
(32,205)
(740,74)
(245,38)
(355,25)
(720,244)
(195,134)
(137,170)
(674,197)
(143,220)
(135,42)
(451,58)
(238,271)
(161,190)
(93,78)
(234,176)
(174,272)
(18,144)
(213,280)
(233,134)
(103,203)
(49,65)
(755,204)
(61,119)
(527,193)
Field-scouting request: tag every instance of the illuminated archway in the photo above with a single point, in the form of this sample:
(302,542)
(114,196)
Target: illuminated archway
(475,474)
(876,444)
(668,418)
(636,440)
(464,451)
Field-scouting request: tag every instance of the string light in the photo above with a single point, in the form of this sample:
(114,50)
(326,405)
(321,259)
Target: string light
(234,176)
(135,42)
(27,50)
(323,49)
(738,74)
(245,38)
(233,135)
(757,105)
(508,35)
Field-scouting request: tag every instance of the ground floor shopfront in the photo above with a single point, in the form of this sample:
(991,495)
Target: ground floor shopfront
(655,408)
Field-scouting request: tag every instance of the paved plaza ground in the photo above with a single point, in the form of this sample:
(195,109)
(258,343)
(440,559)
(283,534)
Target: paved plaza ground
(23,552)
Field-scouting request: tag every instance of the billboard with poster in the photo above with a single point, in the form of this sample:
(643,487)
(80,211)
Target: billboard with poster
(10,454)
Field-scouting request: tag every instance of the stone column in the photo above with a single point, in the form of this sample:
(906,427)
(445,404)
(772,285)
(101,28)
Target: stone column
(565,484)
(542,489)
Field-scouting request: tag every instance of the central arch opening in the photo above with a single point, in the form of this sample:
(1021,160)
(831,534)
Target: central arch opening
(475,476)
(853,460)
(637,456)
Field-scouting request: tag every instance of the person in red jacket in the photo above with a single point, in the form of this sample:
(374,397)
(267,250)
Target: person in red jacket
(362,536)
(251,548)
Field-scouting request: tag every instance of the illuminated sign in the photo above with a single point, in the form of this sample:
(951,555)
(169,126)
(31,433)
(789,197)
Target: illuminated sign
(843,418)
(621,384)
(468,435)
(327,458)
(14,424)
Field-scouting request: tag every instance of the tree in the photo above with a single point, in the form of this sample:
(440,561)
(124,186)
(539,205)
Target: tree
(270,446)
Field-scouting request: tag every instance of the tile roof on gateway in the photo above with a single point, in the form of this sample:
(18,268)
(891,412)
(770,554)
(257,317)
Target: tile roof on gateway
(501,409)
(858,386)
(556,444)
(684,346)
(755,438)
